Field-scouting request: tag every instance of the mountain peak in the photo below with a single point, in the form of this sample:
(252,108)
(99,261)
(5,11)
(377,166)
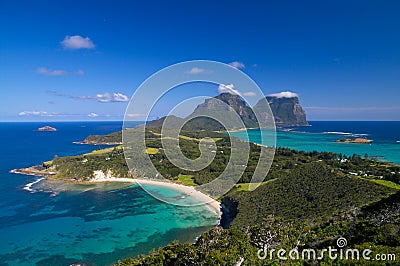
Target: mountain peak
(287,109)
(225,107)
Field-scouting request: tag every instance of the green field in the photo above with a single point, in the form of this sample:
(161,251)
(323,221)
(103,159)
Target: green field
(385,183)
(245,186)
(104,151)
(152,151)
(186,180)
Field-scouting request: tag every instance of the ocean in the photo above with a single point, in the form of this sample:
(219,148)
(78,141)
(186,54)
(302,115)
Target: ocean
(322,136)
(63,223)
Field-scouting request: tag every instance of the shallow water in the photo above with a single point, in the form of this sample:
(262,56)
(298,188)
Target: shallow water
(57,223)
(322,136)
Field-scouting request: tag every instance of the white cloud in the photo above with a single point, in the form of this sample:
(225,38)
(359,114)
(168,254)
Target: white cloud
(101,97)
(284,94)
(48,72)
(54,114)
(93,115)
(249,94)
(119,97)
(237,64)
(228,88)
(196,70)
(108,97)
(77,42)
(80,97)
(38,113)
(136,115)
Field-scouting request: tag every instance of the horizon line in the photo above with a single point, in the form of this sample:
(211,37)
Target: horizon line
(71,121)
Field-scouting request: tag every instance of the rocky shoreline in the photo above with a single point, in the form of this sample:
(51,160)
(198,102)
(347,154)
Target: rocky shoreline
(47,128)
(37,170)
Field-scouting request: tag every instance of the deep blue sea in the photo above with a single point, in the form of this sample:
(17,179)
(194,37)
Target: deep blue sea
(69,223)
(103,223)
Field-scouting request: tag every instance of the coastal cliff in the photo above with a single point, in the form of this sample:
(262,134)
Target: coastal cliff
(224,107)
(287,111)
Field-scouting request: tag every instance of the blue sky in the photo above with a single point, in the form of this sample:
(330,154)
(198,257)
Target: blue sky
(82,60)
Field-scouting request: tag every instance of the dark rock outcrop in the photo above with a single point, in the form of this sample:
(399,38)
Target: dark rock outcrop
(225,107)
(47,128)
(287,111)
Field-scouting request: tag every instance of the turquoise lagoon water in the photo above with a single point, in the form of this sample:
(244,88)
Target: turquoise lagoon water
(55,223)
(322,136)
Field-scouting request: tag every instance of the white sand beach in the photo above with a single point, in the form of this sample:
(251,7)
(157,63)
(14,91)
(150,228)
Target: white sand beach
(213,204)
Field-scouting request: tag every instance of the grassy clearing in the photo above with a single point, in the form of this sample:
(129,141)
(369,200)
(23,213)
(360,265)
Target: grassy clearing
(245,186)
(186,180)
(155,133)
(195,139)
(185,137)
(151,150)
(48,163)
(385,183)
(103,151)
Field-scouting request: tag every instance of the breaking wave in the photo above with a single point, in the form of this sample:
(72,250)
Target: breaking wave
(28,187)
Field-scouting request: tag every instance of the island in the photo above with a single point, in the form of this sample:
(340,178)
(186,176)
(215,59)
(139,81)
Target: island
(307,200)
(354,140)
(47,128)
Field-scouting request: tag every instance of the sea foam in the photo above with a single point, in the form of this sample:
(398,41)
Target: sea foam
(337,133)
(28,187)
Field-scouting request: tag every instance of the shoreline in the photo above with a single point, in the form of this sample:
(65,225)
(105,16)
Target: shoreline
(212,204)
(96,144)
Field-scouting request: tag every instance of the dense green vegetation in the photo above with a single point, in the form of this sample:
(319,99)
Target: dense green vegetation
(112,138)
(313,193)
(81,167)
